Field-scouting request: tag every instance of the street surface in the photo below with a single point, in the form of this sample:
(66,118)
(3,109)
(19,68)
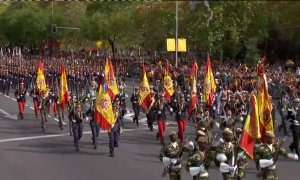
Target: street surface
(28,154)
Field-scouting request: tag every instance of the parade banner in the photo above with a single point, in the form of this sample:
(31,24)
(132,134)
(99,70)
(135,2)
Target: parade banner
(251,129)
(40,79)
(144,93)
(104,115)
(110,80)
(209,86)
(168,84)
(264,107)
(194,98)
(63,89)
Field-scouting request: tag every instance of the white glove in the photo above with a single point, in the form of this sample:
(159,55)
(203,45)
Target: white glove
(171,109)
(87,118)
(121,130)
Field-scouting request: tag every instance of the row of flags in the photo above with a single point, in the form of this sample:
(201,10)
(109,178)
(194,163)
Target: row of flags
(258,121)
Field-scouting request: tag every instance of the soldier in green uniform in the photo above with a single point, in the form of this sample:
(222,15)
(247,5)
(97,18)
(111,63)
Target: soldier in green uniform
(43,107)
(205,124)
(171,156)
(230,158)
(267,154)
(198,163)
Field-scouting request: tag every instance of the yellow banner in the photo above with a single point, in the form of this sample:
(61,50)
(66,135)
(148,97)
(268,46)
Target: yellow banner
(40,79)
(171,46)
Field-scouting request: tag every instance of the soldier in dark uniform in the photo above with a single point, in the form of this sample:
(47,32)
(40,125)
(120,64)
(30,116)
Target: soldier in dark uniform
(150,113)
(20,95)
(267,155)
(282,106)
(34,93)
(171,156)
(71,107)
(122,99)
(94,126)
(295,126)
(77,116)
(160,108)
(180,116)
(135,105)
(116,130)
(43,107)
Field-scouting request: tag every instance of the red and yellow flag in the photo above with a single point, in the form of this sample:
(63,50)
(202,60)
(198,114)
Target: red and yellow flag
(168,84)
(251,129)
(40,79)
(145,96)
(194,98)
(264,107)
(110,80)
(63,89)
(104,114)
(209,86)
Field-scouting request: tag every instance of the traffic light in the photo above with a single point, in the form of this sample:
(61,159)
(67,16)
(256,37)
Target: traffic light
(54,28)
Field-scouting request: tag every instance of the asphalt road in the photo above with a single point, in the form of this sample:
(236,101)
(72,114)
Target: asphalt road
(28,154)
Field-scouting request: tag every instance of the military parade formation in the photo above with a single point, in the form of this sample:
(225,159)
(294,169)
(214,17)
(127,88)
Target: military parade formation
(213,103)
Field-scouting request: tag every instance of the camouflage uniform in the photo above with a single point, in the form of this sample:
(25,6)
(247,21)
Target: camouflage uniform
(173,150)
(230,149)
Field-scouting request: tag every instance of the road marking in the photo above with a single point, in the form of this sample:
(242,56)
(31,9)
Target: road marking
(58,135)
(10,116)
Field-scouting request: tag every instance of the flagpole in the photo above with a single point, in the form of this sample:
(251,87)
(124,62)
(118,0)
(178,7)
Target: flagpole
(176,37)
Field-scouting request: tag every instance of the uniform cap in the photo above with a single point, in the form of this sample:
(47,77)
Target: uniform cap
(270,134)
(151,87)
(136,88)
(227,131)
(172,133)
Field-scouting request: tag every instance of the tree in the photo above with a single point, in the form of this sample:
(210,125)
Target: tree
(110,21)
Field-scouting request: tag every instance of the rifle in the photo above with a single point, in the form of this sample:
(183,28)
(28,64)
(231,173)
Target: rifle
(276,154)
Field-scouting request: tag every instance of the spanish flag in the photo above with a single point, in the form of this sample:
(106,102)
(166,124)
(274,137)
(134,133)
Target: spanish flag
(40,79)
(264,107)
(145,96)
(110,80)
(104,115)
(251,129)
(194,98)
(168,84)
(63,89)
(209,86)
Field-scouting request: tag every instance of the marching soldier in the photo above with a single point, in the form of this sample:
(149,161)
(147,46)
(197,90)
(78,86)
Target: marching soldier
(150,114)
(122,98)
(160,111)
(295,127)
(181,117)
(267,155)
(77,115)
(71,107)
(43,107)
(116,130)
(135,105)
(20,95)
(231,160)
(199,162)
(94,126)
(282,106)
(34,93)
(205,124)
(171,156)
